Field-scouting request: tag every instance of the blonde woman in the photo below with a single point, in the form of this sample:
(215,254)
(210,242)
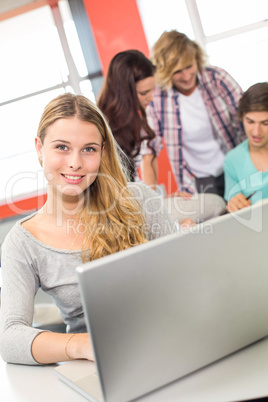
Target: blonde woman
(90,212)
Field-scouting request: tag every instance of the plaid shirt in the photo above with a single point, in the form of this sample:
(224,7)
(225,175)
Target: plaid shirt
(220,93)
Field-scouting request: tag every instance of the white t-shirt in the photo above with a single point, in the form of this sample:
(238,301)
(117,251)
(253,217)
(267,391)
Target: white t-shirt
(201,150)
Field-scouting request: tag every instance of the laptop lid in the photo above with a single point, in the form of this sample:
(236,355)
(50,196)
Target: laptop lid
(162,310)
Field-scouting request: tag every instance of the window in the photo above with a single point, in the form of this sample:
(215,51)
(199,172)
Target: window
(157,18)
(223,16)
(41,57)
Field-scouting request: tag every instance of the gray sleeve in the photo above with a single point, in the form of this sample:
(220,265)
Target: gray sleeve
(19,286)
(158,222)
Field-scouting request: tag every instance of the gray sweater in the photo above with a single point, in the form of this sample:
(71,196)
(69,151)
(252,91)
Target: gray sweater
(27,263)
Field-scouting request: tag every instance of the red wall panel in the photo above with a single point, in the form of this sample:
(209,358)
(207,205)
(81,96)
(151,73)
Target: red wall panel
(23,206)
(117,26)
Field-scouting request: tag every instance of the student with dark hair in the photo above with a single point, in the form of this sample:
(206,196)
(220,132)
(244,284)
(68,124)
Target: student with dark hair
(126,93)
(246,166)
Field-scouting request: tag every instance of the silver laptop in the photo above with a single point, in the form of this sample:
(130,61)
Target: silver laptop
(164,309)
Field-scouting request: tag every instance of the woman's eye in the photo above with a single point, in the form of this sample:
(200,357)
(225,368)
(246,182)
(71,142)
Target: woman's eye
(89,149)
(62,147)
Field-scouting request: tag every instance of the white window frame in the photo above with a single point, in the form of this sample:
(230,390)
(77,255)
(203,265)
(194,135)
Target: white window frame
(199,32)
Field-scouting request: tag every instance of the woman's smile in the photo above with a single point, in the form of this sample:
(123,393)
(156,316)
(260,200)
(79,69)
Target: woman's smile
(73,179)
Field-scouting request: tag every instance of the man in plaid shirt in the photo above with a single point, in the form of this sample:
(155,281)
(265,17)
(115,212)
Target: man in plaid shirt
(194,110)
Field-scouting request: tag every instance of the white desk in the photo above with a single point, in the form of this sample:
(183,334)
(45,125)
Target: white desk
(244,375)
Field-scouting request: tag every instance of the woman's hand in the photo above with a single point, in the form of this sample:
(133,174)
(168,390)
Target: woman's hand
(78,346)
(184,194)
(50,347)
(238,202)
(186,224)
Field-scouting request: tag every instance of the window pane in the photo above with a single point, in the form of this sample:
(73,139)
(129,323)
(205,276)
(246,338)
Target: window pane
(31,55)
(87,91)
(243,56)
(219,16)
(158,16)
(72,38)
(18,160)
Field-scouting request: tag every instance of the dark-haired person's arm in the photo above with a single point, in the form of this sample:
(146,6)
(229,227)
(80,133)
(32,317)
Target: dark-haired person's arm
(149,170)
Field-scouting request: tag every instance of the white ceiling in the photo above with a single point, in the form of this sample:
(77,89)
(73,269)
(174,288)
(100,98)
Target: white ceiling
(8,5)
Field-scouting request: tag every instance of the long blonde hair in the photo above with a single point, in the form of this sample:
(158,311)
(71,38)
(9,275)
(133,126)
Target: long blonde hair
(112,219)
(171,48)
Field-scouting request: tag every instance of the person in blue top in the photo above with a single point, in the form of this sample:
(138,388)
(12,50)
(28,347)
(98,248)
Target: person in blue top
(246,166)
